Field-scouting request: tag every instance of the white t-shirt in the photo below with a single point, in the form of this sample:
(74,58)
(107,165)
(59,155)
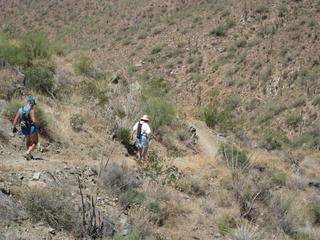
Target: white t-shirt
(145,128)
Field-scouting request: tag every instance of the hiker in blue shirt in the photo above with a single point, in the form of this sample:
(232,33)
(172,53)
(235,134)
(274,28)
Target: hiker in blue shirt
(26,117)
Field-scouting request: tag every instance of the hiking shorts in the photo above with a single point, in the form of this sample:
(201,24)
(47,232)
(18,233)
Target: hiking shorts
(142,142)
(31,130)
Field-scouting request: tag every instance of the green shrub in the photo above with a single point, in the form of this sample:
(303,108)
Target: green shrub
(270,111)
(161,113)
(134,234)
(124,135)
(76,122)
(252,104)
(299,102)
(266,30)
(143,35)
(131,197)
(31,45)
(274,139)
(311,138)
(210,114)
(221,116)
(222,60)
(232,102)
(277,177)
(293,119)
(222,29)
(315,213)
(156,50)
(11,109)
(39,78)
(260,8)
(153,167)
(282,10)
(196,62)
(84,64)
(316,100)
(159,214)
(241,43)
(225,224)
(90,89)
(36,44)
(41,116)
(234,157)
(219,30)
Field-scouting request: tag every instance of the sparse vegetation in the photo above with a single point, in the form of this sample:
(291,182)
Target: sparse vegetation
(222,29)
(234,157)
(39,78)
(77,121)
(84,64)
(261,56)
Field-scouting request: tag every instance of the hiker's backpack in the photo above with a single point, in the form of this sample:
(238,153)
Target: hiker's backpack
(25,118)
(139,130)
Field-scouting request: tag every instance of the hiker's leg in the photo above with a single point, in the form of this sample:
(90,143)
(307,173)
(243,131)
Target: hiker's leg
(28,141)
(33,141)
(140,153)
(145,152)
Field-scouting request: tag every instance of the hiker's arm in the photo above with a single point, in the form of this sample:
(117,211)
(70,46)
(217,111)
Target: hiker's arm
(33,118)
(15,120)
(132,134)
(152,135)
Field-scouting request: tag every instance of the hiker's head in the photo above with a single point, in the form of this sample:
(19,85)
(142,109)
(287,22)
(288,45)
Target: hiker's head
(145,118)
(31,101)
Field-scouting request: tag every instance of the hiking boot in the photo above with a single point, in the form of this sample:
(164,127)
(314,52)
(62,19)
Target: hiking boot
(28,156)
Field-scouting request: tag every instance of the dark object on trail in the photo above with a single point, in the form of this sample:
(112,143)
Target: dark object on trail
(114,79)
(314,184)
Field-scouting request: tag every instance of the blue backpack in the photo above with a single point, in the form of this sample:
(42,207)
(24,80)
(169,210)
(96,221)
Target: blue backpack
(25,118)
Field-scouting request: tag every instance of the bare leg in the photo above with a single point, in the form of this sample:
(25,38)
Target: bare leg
(32,141)
(140,153)
(144,152)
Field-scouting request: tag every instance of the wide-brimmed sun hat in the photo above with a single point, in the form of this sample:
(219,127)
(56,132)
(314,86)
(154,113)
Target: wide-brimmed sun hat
(145,118)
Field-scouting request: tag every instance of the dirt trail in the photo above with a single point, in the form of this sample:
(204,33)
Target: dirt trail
(208,142)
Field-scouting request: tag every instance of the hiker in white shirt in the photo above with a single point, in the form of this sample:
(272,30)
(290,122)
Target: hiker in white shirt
(142,131)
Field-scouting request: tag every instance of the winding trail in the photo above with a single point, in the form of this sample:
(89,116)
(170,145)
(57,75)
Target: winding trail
(208,140)
(208,143)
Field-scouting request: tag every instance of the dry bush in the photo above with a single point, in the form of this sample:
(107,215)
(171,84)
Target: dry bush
(140,218)
(297,182)
(286,218)
(119,178)
(248,190)
(53,206)
(309,232)
(9,211)
(246,231)
(193,185)
(62,211)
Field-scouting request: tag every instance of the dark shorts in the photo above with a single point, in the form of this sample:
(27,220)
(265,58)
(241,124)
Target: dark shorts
(31,130)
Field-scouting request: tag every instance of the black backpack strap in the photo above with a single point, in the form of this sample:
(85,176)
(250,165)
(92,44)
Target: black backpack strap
(139,130)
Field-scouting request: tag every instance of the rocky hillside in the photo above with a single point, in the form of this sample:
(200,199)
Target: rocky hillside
(232,88)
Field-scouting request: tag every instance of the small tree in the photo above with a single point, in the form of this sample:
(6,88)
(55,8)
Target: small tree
(39,78)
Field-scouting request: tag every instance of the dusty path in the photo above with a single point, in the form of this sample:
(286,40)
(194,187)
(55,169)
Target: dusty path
(208,142)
